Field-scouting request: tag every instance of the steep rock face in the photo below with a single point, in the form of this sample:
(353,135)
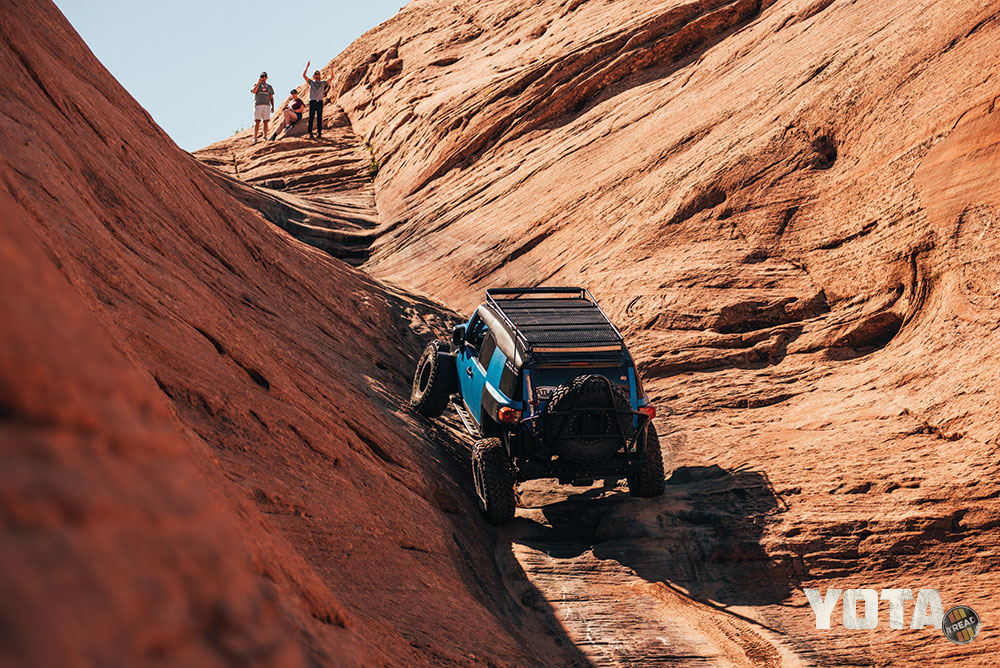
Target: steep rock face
(206,457)
(114,551)
(791,209)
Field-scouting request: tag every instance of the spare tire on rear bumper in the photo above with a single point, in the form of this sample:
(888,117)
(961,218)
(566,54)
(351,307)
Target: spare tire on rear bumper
(433,381)
(593,413)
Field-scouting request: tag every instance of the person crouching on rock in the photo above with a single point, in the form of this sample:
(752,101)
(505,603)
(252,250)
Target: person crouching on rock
(263,104)
(290,114)
(317,91)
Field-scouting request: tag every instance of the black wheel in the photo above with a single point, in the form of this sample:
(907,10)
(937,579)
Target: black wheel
(432,381)
(588,394)
(493,475)
(648,480)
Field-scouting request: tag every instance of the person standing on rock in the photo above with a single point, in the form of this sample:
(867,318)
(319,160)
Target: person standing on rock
(317,91)
(263,104)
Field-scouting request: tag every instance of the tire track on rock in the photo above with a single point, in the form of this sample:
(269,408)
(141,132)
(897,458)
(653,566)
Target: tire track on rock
(615,616)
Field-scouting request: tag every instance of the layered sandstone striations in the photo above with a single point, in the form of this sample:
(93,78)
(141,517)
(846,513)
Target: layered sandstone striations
(792,208)
(206,459)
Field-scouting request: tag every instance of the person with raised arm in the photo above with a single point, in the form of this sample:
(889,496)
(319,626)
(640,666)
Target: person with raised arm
(317,92)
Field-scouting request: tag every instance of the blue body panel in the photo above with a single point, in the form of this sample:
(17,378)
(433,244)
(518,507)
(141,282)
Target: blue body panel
(493,374)
(633,396)
(471,378)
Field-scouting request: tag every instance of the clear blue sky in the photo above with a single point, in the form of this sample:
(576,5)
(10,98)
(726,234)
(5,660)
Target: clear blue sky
(191,63)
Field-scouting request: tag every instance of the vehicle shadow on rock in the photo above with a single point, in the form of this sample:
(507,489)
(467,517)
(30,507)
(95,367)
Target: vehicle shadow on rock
(704,534)
(494,576)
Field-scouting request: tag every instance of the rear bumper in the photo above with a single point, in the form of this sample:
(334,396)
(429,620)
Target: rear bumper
(567,472)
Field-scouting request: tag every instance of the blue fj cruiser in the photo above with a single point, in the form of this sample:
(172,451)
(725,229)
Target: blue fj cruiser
(543,382)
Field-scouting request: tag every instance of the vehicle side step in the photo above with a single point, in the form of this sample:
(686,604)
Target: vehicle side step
(463,413)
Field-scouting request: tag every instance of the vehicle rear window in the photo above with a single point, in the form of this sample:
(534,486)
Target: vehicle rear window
(553,377)
(508,381)
(486,352)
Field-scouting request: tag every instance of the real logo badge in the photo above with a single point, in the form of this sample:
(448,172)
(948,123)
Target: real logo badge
(960,624)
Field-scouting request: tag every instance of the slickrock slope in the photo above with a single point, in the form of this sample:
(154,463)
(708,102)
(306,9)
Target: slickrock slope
(205,459)
(792,208)
(321,192)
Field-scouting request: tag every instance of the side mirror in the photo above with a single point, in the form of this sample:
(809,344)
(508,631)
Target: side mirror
(458,335)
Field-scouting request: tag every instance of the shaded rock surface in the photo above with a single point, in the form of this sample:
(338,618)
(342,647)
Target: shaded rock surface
(205,456)
(791,208)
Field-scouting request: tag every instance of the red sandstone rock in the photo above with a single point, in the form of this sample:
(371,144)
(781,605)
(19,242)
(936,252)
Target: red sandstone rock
(791,208)
(206,459)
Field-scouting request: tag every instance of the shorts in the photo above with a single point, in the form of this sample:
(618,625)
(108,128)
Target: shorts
(262,112)
(298,116)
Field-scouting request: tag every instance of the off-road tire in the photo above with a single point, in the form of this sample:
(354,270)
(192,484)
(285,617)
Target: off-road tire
(493,476)
(431,385)
(593,395)
(648,480)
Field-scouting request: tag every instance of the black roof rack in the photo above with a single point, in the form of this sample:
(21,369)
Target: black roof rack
(556,324)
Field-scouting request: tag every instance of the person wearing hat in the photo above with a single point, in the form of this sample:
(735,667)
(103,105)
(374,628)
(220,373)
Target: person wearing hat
(317,91)
(291,114)
(263,104)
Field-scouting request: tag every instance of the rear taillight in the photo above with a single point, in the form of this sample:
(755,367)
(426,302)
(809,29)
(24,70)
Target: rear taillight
(509,415)
(649,410)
